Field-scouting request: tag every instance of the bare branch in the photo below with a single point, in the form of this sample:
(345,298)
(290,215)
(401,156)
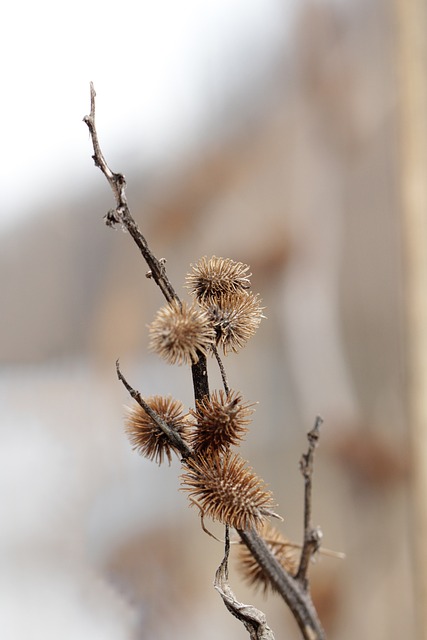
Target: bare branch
(312,536)
(121,214)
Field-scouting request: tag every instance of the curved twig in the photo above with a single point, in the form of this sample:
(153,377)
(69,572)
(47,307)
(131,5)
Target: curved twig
(222,370)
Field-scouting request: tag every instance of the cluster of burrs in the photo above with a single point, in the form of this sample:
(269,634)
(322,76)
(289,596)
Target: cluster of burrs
(223,314)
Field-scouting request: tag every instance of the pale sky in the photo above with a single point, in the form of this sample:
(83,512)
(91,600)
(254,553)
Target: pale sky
(155,64)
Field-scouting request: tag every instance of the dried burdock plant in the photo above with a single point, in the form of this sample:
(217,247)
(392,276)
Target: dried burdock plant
(221,421)
(210,279)
(179,333)
(224,314)
(281,548)
(145,434)
(235,318)
(226,489)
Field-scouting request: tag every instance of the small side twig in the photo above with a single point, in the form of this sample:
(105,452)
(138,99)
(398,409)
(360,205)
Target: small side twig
(312,536)
(174,437)
(222,370)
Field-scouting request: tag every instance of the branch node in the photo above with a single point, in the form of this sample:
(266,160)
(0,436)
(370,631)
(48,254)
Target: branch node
(112,218)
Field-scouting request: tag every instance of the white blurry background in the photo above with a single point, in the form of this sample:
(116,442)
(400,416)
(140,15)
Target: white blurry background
(260,130)
(161,68)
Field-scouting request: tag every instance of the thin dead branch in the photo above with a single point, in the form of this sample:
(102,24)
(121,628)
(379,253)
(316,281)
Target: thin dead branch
(121,214)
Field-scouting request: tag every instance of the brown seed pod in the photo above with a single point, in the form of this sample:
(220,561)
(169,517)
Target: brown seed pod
(221,421)
(212,278)
(179,331)
(145,434)
(282,549)
(235,319)
(226,489)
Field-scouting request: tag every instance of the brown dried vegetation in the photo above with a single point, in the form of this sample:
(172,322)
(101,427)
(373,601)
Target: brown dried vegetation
(226,489)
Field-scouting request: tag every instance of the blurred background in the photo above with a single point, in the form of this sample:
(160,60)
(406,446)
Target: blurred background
(267,131)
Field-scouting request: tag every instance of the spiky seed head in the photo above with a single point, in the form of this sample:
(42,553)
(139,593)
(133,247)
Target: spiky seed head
(179,331)
(213,277)
(235,319)
(226,489)
(145,434)
(281,548)
(221,421)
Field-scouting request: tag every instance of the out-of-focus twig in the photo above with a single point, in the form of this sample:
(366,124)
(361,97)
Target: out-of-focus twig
(312,536)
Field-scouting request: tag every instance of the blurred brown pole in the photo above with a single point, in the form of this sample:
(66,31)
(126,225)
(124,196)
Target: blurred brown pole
(411,34)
